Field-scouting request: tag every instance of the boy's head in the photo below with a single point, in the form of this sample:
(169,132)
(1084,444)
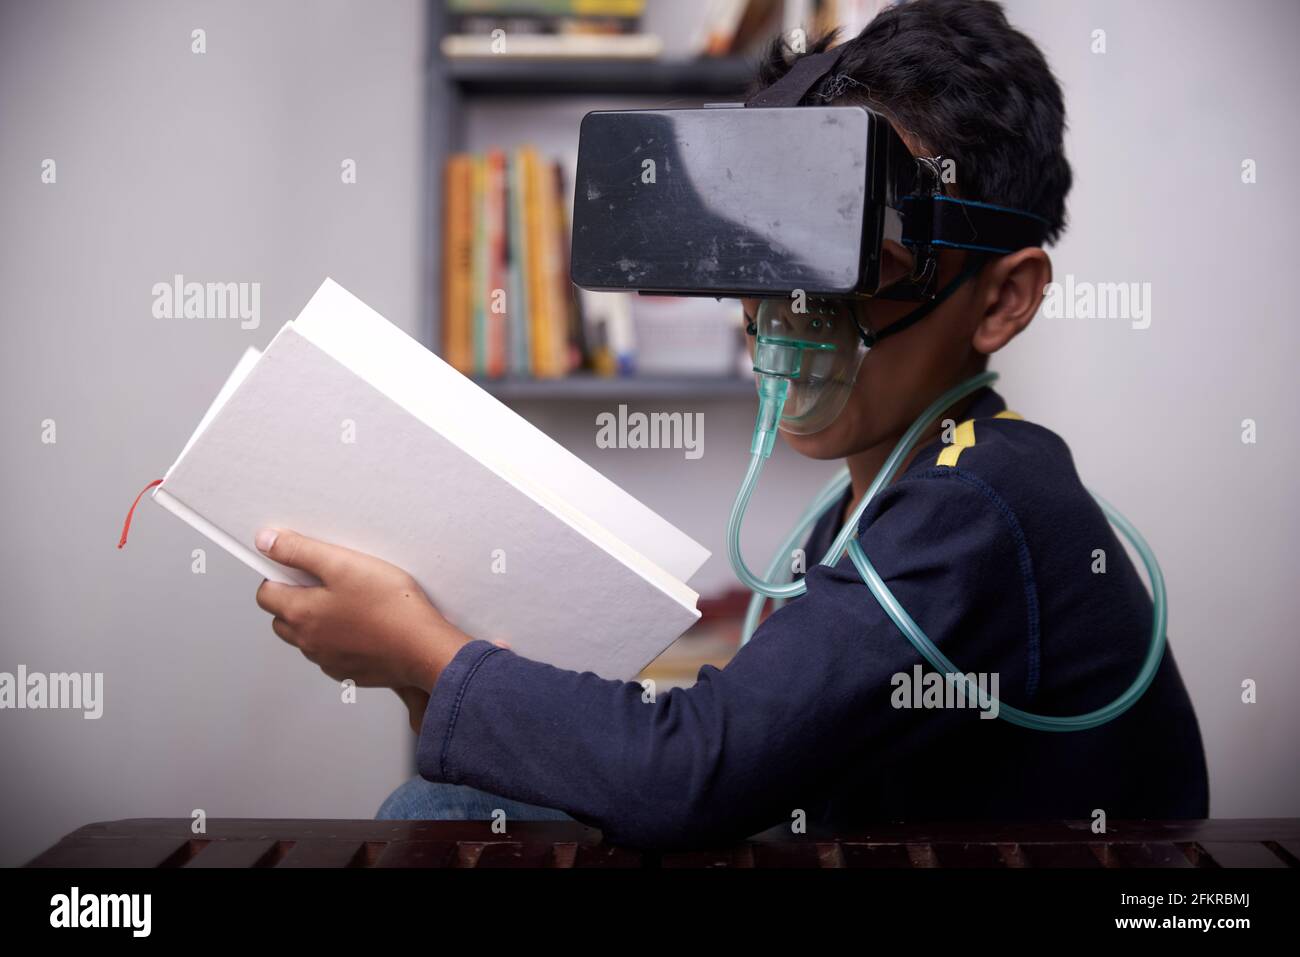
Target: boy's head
(955,80)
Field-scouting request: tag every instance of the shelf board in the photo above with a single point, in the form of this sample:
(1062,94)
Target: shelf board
(620,388)
(726,77)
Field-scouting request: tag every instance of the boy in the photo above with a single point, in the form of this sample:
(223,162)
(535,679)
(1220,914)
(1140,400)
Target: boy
(988,541)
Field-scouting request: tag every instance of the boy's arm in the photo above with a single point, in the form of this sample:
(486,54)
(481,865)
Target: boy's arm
(807,698)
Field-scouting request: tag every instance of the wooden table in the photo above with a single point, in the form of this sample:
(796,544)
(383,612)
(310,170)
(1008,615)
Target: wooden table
(242,843)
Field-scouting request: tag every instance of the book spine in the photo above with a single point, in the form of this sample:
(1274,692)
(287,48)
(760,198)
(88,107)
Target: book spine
(546,226)
(561,330)
(497,299)
(519,362)
(538,321)
(253,559)
(575,337)
(457,263)
(479,274)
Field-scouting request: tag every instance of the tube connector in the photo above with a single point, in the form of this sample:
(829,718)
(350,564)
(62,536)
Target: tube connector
(772,391)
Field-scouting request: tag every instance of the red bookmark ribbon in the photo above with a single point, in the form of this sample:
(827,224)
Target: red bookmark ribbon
(126,526)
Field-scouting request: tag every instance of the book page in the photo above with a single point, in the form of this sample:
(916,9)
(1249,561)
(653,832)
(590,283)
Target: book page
(376,350)
(305,444)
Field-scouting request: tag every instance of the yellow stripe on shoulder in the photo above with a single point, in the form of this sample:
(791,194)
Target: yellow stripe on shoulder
(963,437)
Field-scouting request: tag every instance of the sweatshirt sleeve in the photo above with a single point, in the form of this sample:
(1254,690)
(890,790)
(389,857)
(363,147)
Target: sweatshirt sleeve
(807,700)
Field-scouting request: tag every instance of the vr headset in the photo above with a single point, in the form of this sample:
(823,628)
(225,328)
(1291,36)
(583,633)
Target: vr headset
(768,197)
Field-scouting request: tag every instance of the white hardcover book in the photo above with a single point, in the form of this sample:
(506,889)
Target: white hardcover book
(348,430)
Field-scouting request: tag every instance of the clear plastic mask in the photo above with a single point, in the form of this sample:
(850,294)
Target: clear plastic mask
(818,351)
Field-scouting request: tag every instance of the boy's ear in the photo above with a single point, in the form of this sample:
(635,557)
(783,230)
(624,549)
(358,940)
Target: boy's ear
(1011,288)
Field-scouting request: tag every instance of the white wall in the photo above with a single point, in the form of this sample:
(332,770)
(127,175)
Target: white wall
(223,166)
(1159,126)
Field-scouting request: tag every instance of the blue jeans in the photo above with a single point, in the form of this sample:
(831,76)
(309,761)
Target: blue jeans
(421,800)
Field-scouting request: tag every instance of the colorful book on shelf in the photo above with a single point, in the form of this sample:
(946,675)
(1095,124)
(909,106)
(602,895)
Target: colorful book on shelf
(549,16)
(478,275)
(547,29)
(457,263)
(614,46)
(508,304)
(607,8)
(559,29)
(532,260)
(575,333)
(497,299)
(552,278)
(540,301)
(520,363)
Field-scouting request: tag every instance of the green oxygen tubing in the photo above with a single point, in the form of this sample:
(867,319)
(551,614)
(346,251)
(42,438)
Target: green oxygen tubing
(772,393)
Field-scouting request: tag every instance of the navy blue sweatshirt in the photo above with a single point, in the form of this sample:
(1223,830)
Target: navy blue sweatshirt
(990,543)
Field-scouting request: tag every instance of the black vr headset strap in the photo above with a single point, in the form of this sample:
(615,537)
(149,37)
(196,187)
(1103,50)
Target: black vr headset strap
(984,230)
(974,264)
(806,73)
(946,221)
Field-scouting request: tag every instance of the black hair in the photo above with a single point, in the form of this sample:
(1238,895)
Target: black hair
(967,85)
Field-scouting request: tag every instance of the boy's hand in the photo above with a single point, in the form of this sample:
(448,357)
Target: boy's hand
(416,702)
(367,620)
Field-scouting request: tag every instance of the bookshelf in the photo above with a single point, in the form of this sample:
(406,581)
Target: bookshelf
(584,385)
(455,86)
(723,76)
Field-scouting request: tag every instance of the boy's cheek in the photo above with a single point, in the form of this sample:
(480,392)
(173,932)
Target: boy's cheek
(837,440)
(868,418)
